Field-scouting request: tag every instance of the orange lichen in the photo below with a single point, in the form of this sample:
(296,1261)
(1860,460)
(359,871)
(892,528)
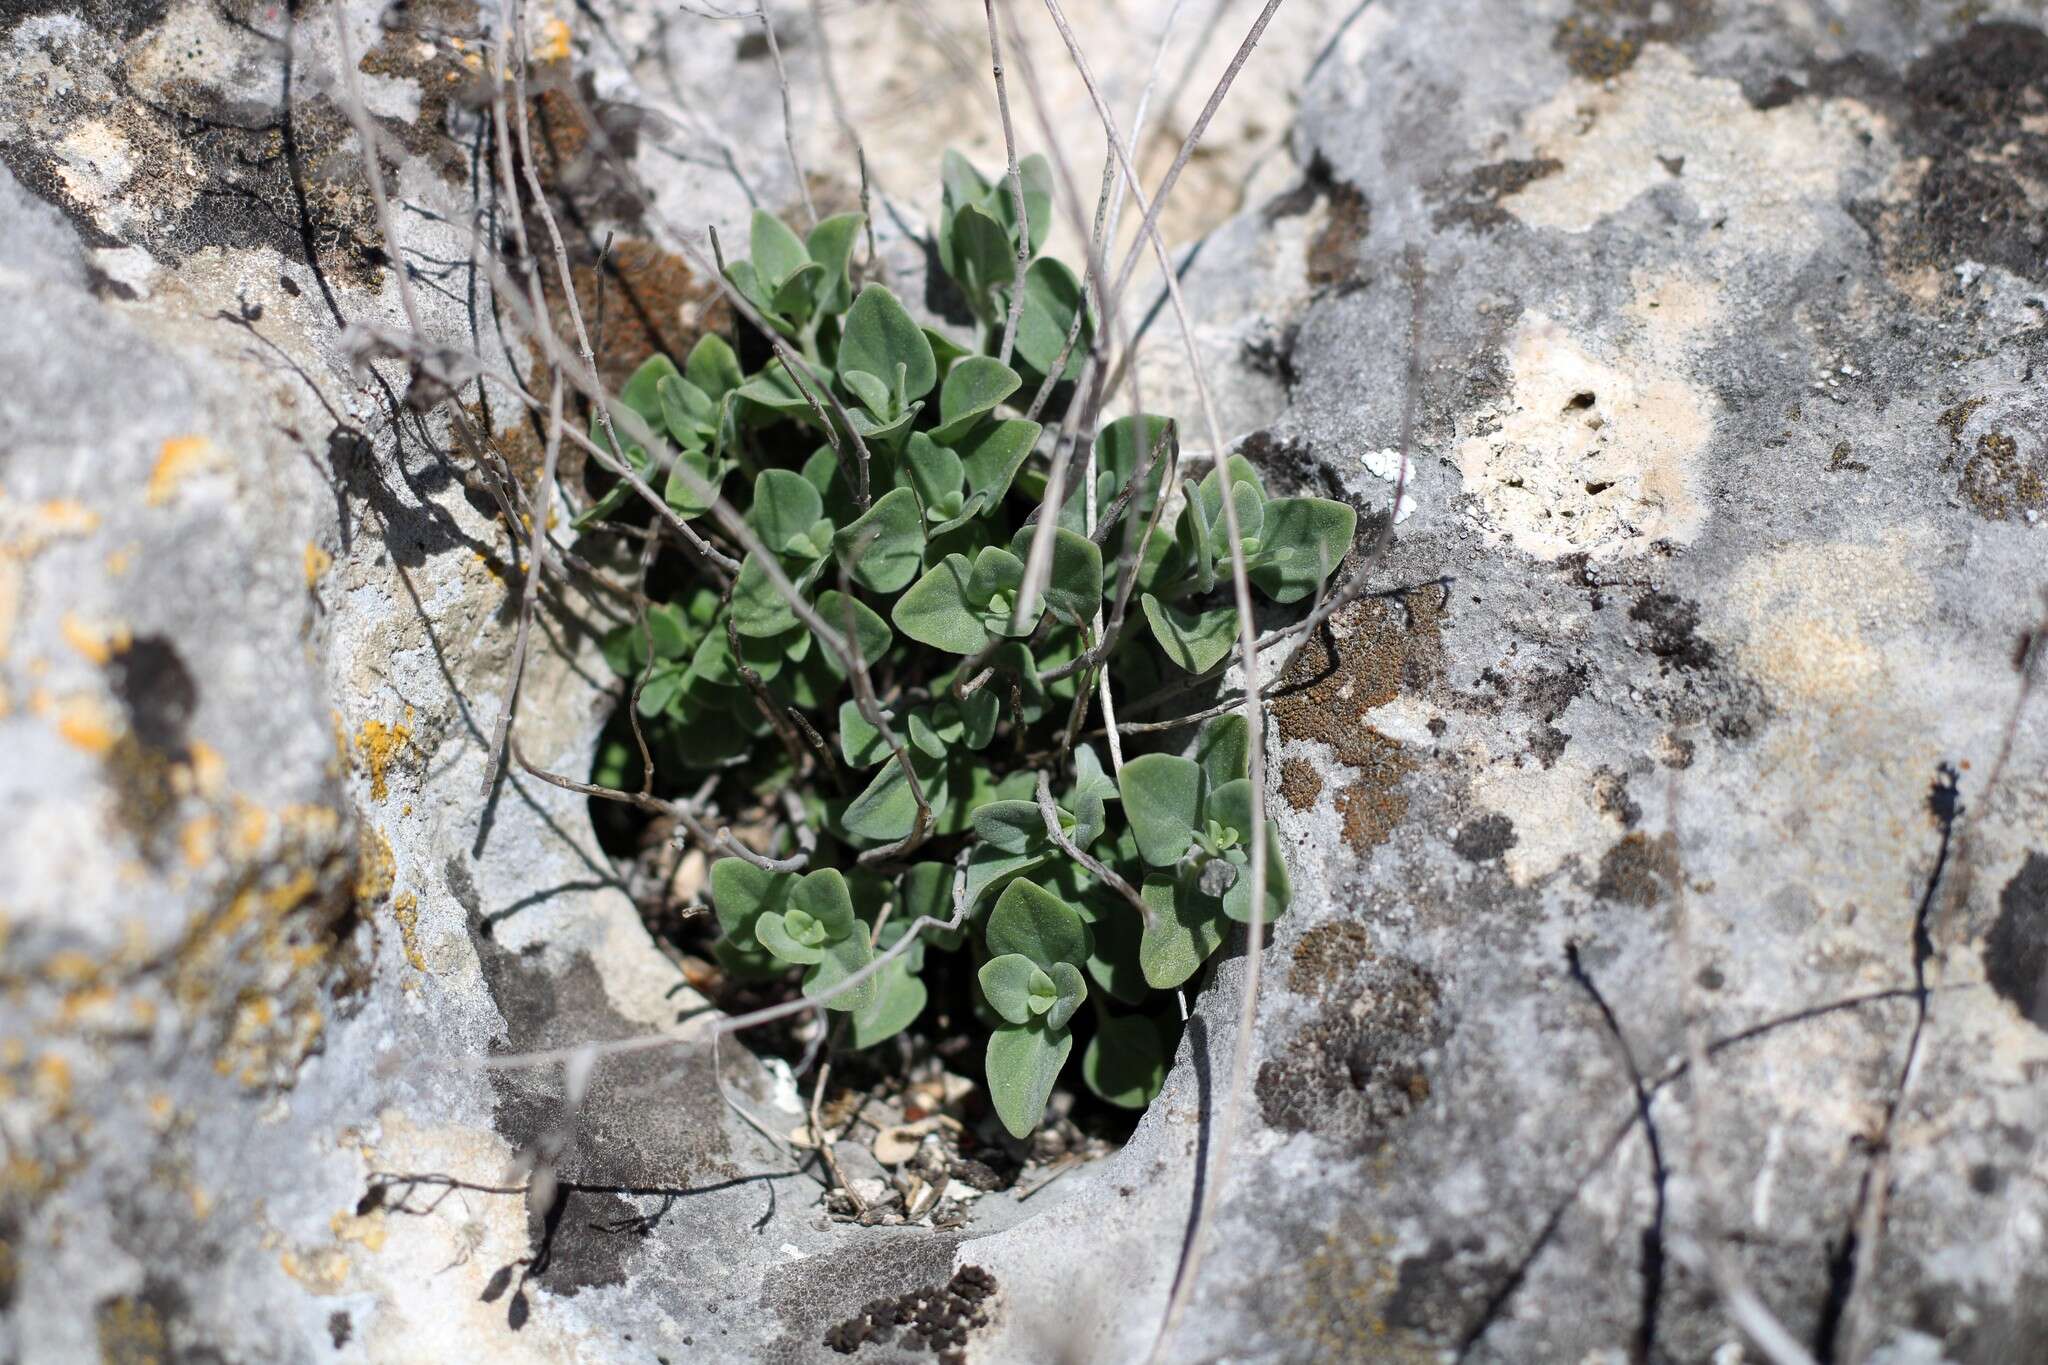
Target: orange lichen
(317,562)
(176,459)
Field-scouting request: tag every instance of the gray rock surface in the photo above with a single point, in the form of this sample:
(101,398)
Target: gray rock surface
(1674,730)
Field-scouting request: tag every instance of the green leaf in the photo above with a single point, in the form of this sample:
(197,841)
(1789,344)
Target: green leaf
(1052,295)
(1011,826)
(643,391)
(777,252)
(772,931)
(1070,991)
(786,506)
(870,631)
(1125,1062)
(1089,776)
(693,499)
(742,893)
(992,586)
(1302,543)
(687,411)
(946,351)
(1194,641)
(1010,982)
(993,453)
(1163,801)
(713,662)
(860,743)
(1023,1062)
(874,395)
(1031,920)
(1123,446)
(842,958)
(928,891)
(935,472)
(899,997)
(794,298)
(985,261)
(823,896)
(1186,929)
(886,809)
(713,367)
(935,610)
(884,547)
(1224,750)
(831,246)
(1114,927)
(773,388)
(1073,588)
(879,335)
(1231,805)
(1036,174)
(959,184)
(972,390)
(758,607)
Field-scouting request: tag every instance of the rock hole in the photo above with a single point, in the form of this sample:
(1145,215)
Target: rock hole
(1582,401)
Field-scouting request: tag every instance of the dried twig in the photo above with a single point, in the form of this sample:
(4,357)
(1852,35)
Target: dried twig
(995,49)
(1102,872)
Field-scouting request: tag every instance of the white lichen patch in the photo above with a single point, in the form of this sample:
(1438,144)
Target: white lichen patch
(1761,176)
(1588,453)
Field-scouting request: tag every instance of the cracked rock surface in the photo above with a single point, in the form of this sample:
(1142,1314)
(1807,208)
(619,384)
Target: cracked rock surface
(1669,851)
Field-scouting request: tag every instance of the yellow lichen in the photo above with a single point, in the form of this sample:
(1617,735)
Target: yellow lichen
(554,42)
(175,459)
(405,909)
(376,869)
(366,1229)
(97,643)
(196,838)
(84,724)
(318,562)
(379,745)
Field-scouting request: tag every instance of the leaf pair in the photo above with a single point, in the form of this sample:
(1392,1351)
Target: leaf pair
(978,241)
(1202,807)
(1032,980)
(805,920)
(963,606)
(795,282)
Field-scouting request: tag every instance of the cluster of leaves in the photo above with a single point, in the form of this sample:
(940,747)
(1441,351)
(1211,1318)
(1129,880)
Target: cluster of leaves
(915,743)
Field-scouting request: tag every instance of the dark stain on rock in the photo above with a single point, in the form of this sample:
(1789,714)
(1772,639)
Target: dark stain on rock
(1475,200)
(595,1236)
(1610,793)
(1328,692)
(339,1328)
(1600,39)
(1300,783)
(1440,1289)
(816,1295)
(1485,838)
(1999,483)
(1333,252)
(937,1318)
(142,1328)
(1326,955)
(2016,950)
(1638,870)
(1840,461)
(1977,105)
(1290,465)
(1673,630)
(651,1120)
(1970,114)
(157,691)
(1354,1074)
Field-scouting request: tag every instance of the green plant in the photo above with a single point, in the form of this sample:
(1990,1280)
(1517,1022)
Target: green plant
(931,741)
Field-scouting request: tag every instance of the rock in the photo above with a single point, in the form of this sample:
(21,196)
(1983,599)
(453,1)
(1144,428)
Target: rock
(1677,723)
